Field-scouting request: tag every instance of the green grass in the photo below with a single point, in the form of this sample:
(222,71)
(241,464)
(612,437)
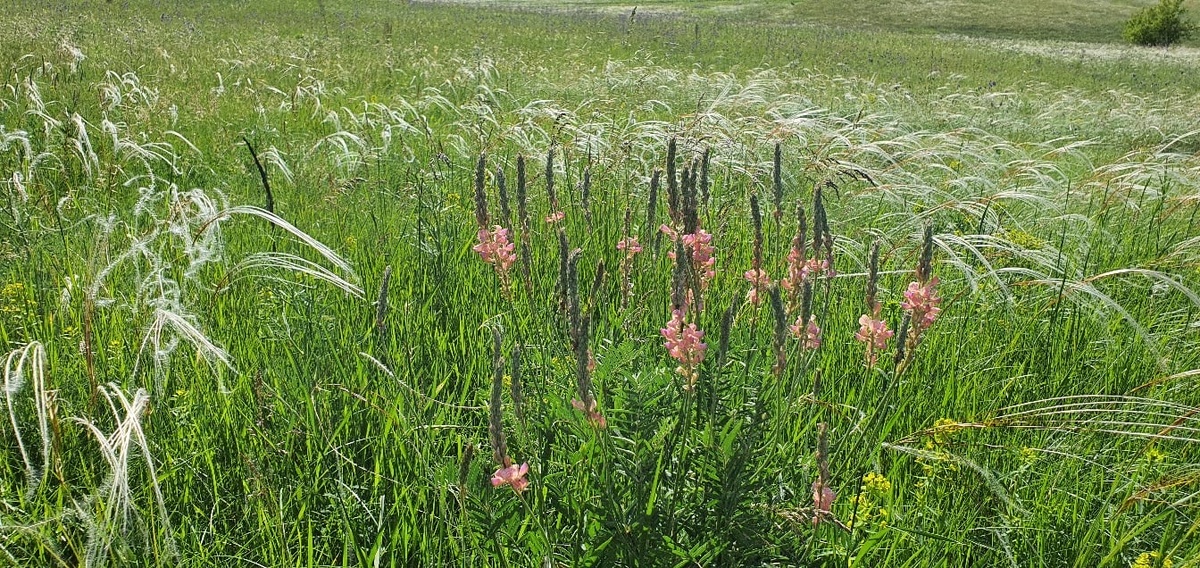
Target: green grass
(218,386)
(1064,20)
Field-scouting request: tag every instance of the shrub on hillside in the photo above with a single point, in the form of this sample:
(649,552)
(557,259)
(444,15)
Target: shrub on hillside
(1162,24)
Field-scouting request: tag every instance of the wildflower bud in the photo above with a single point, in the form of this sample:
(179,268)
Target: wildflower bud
(502,188)
(481,207)
(925,265)
(495,424)
(586,194)
(780,331)
(381,303)
(652,205)
(873,280)
(672,182)
(464,468)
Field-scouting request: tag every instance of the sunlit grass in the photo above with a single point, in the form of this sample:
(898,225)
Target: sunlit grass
(308,382)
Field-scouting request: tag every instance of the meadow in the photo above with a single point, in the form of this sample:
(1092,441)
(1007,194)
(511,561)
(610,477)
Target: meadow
(373,283)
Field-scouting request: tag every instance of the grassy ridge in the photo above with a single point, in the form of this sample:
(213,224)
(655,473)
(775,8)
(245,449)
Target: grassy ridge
(1062,196)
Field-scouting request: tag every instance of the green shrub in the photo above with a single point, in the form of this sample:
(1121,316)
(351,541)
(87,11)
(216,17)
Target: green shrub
(1163,24)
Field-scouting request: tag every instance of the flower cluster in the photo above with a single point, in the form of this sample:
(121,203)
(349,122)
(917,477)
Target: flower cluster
(703,252)
(513,475)
(800,270)
(809,334)
(875,333)
(760,281)
(495,248)
(630,245)
(555,216)
(684,344)
(823,497)
(876,484)
(1151,560)
(922,301)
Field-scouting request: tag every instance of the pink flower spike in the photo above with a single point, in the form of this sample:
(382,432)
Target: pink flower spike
(809,335)
(759,282)
(923,302)
(494,248)
(684,344)
(630,245)
(823,498)
(668,231)
(875,333)
(512,475)
(555,217)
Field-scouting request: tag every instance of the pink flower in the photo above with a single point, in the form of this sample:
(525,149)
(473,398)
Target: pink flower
(494,248)
(923,302)
(555,216)
(801,270)
(700,244)
(590,411)
(875,333)
(759,282)
(668,231)
(823,498)
(512,475)
(630,245)
(703,259)
(809,335)
(684,344)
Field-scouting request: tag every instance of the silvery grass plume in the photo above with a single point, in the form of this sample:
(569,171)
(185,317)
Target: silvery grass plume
(115,497)
(188,225)
(1082,416)
(29,361)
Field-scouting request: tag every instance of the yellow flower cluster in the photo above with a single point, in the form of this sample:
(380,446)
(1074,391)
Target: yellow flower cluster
(867,512)
(943,430)
(12,300)
(1155,455)
(877,485)
(1028,455)
(1152,560)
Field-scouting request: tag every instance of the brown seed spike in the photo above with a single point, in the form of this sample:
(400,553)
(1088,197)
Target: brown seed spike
(481,206)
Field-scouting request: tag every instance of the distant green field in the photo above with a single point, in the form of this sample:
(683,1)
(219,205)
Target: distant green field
(378,283)
(1065,20)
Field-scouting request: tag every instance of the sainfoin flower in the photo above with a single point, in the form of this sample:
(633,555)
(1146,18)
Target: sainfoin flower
(630,245)
(668,231)
(923,302)
(809,334)
(513,475)
(684,344)
(875,333)
(800,270)
(760,281)
(555,216)
(590,411)
(823,498)
(703,252)
(495,248)
(704,259)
